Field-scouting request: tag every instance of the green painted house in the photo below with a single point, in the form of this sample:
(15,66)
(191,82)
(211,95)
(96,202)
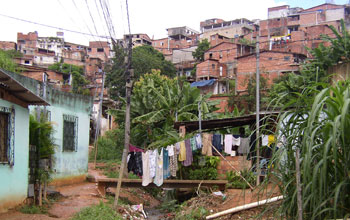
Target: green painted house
(70,115)
(14,139)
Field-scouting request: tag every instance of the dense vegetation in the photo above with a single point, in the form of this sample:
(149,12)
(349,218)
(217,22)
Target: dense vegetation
(144,59)
(315,123)
(79,81)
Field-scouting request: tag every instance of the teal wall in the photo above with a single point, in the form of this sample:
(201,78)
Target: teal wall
(14,180)
(66,164)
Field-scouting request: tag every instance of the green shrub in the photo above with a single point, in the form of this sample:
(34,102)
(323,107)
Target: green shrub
(100,212)
(235,181)
(110,146)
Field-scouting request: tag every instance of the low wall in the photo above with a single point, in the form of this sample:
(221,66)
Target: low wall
(238,162)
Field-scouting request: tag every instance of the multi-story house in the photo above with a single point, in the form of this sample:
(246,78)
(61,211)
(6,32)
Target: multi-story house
(228,29)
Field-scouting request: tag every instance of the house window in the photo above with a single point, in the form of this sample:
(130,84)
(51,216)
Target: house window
(26,62)
(7,131)
(213,66)
(99,49)
(70,133)
(286,58)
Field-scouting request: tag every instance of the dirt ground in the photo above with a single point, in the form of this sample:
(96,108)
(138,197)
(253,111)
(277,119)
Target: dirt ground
(78,196)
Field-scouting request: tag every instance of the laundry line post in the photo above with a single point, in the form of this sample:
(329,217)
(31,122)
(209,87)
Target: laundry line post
(128,89)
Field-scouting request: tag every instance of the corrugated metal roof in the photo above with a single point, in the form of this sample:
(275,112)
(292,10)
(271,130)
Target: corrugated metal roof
(222,123)
(14,87)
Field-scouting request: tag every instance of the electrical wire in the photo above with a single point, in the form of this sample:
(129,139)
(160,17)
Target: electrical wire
(54,27)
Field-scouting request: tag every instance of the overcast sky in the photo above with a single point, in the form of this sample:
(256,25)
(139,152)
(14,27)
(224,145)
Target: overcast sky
(152,17)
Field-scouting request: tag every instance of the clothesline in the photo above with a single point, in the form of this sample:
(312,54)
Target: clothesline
(155,166)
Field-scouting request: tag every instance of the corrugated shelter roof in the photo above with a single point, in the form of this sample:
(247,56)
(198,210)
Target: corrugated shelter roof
(222,123)
(14,87)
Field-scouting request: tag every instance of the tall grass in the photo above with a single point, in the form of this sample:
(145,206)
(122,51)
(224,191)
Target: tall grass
(319,127)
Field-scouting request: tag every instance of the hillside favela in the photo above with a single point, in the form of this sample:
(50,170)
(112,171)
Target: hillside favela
(175,110)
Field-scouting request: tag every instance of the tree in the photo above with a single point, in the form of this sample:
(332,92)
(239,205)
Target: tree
(79,81)
(144,59)
(6,61)
(203,46)
(157,102)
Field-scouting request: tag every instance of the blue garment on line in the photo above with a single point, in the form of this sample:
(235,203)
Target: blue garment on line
(166,168)
(217,142)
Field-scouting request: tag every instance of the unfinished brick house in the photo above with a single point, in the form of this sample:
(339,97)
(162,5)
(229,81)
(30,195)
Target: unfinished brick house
(273,64)
(58,80)
(74,54)
(137,40)
(220,60)
(99,49)
(228,29)
(293,29)
(8,45)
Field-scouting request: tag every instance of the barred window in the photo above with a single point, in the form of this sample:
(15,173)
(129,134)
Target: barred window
(7,119)
(70,133)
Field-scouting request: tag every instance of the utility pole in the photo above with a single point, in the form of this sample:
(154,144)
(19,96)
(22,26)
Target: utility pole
(98,120)
(128,87)
(257,110)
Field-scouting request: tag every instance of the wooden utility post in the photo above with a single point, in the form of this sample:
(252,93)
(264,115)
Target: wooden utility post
(128,89)
(257,81)
(98,120)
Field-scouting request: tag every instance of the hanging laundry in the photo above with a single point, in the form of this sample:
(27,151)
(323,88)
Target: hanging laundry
(172,160)
(217,142)
(177,148)
(244,146)
(146,179)
(182,154)
(198,141)
(170,150)
(166,168)
(133,148)
(271,139)
(236,140)
(193,143)
(135,163)
(228,143)
(189,158)
(158,179)
(264,140)
(207,146)
(152,163)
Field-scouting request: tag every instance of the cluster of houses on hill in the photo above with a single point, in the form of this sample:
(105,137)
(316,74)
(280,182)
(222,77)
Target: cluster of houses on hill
(282,37)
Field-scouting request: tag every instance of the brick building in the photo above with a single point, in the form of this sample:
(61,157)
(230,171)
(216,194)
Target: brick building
(220,60)
(74,54)
(293,29)
(272,65)
(8,45)
(99,49)
(137,40)
(228,29)
(58,80)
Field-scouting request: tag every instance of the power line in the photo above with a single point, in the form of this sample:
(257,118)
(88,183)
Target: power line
(54,27)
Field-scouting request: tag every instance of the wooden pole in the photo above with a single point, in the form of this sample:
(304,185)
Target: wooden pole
(98,122)
(257,79)
(128,89)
